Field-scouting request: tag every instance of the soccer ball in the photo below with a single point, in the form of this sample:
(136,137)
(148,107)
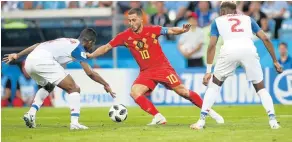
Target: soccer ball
(118,113)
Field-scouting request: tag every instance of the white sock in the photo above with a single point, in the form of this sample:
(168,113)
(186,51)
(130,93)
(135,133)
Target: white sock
(211,94)
(267,102)
(38,101)
(74,104)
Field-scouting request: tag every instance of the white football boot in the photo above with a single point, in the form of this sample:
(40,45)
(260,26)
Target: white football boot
(77,126)
(158,119)
(274,124)
(219,119)
(199,125)
(29,120)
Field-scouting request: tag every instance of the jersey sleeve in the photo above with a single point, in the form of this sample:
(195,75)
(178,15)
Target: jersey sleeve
(254,26)
(79,53)
(214,29)
(158,30)
(117,41)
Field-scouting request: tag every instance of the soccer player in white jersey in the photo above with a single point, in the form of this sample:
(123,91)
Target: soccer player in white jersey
(238,49)
(44,64)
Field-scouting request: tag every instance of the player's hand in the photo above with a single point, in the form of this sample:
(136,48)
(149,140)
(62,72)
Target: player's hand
(10,57)
(278,67)
(186,27)
(206,78)
(108,89)
(88,55)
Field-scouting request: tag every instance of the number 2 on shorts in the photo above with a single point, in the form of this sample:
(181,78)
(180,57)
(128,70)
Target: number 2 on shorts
(172,78)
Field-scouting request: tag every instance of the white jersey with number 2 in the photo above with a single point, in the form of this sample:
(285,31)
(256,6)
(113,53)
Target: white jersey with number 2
(236,31)
(238,49)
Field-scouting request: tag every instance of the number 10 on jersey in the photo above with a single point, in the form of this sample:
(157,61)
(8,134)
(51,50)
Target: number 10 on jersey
(144,54)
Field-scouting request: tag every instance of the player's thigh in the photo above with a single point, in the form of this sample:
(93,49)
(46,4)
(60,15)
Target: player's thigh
(167,77)
(253,69)
(225,66)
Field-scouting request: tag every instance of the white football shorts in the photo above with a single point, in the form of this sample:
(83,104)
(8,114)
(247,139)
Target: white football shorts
(228,62)
(44,71)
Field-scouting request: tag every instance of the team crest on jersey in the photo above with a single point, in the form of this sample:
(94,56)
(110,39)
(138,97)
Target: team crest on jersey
(140,44)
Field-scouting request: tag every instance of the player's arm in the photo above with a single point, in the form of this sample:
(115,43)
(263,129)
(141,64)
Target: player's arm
(100,51)
(117,41)
(211,52)
(96,77)
(176,30)
(268,44)
(212,46)
(14,56)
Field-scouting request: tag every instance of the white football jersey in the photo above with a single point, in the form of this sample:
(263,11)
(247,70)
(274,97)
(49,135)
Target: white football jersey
(235,29)
(62,50)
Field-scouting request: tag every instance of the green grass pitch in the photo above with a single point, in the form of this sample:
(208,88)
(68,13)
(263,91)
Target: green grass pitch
(242,124)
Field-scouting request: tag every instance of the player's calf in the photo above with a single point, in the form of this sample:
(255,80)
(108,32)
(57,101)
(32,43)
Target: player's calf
(189,95)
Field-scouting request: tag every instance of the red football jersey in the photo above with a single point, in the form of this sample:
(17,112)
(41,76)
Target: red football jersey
(144,47)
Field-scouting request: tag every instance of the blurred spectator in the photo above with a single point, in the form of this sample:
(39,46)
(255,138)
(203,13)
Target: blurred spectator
(176,10)
(88,4)
(28,89)
(73,4)
(137,4)
(160,18)
(150,8)
(27,5)
(105,3)
(5,90)
(260,17)
(205,13)
(278,10)
(191,43)
(290,8)
(51,5)
(8,6)
(285,60)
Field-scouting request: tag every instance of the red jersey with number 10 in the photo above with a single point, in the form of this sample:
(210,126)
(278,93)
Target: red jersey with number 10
(144,47)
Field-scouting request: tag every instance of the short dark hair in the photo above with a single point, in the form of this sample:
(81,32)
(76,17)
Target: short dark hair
(88,34)
(137,11)
(283,43)
(228,7)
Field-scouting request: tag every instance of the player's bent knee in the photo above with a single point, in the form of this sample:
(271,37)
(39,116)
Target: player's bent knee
(135,95)
(49,87)
(73,88)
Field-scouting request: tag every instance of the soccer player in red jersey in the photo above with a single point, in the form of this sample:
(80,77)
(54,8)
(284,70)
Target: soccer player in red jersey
(142,41)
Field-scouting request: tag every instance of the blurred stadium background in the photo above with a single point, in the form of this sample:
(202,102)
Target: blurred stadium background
(29,22)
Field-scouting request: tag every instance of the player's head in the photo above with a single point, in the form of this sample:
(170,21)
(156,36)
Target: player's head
(88,38)
(193,19)
(283,49)
(135,19)
(227,7)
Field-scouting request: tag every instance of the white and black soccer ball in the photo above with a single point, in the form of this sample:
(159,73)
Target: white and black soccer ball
(118,113)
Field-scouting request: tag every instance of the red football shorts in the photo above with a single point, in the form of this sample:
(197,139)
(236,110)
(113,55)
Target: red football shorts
(166,76)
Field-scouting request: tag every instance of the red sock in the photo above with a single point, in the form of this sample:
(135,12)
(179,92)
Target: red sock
(146,105)
(196,99)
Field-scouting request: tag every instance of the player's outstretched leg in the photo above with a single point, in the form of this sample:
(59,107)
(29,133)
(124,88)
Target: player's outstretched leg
(212,92)
(138,94)
(267,103)
(73,90)
(196,100)
(30,117)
